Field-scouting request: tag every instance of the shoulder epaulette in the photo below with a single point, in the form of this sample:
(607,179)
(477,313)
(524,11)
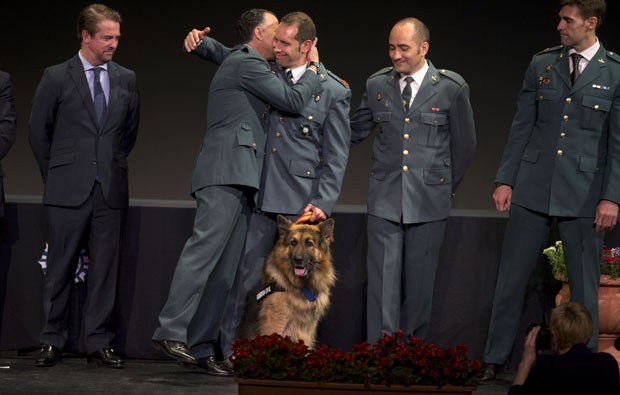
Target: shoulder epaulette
(456,77)
(557,48)
(338,79)
(385,70)
(613,56)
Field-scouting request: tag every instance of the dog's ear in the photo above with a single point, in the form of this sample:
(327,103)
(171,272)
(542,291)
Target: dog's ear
(283,224)
(327,230)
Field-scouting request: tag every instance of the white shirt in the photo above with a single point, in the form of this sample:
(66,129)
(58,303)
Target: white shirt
(586,56)
(418,77)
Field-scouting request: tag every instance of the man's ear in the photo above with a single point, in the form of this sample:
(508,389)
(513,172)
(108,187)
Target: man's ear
(305,46)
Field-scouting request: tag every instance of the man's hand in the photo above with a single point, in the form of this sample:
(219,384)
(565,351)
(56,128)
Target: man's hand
(502,197)
(313,53)
(317,213)
(606,215)
(528,358)
(194,37)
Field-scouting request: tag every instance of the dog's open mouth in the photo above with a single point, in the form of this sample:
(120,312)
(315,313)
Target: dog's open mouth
(301,271)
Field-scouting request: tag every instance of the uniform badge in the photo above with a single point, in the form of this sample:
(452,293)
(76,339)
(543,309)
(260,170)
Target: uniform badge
(305,129)
(601,61)
(317,98)
(548,68)
(434,77)
(379,96)
(435,109)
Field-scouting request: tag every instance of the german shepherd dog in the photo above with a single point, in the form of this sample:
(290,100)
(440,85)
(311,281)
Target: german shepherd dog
(298,276)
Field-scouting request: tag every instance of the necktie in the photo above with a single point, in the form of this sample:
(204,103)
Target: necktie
(407,92)
(99,97)
(575,74)
(289,75)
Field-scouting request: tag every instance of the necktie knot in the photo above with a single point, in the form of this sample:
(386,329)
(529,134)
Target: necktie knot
(406,94)
(576,58)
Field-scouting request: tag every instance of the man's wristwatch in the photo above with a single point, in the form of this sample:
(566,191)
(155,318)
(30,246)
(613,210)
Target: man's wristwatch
(315,64)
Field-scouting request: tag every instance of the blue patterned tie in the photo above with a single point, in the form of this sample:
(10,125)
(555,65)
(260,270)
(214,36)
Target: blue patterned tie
(99,97)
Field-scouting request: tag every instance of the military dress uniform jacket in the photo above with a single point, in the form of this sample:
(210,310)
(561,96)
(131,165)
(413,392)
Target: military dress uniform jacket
(563,152)
(8,131)
(419,156)
(71,148)
(232,150)
(306,154)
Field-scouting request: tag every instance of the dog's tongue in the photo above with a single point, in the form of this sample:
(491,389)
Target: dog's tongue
(300,271)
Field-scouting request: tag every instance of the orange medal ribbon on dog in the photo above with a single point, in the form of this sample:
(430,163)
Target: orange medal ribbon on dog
(304,217)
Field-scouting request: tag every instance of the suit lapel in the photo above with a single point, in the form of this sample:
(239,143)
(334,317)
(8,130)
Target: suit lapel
(426,90)
(76,70)
(562,67)
(113,100)
(592,70)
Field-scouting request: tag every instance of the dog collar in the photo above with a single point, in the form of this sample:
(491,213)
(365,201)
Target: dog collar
(308,294)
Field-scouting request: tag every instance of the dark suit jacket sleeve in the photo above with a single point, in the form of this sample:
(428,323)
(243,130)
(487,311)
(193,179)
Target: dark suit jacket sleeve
(462,135)
(8,118)
(337,135)
(212,50)
(41,122)
(133,115)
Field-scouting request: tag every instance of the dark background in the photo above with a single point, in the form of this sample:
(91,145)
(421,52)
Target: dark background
(488,42)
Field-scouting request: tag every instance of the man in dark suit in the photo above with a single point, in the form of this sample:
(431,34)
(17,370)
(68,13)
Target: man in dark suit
(83,124)
(425,140)
(224,183)
(560,165)
(570,368)
(306,155)
(8,128)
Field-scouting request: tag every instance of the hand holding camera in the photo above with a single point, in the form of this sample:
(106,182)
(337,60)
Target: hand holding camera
(542,338)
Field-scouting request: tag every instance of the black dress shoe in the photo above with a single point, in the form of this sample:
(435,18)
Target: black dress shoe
(210,366)
(175,350)
(49,356)
(490,371)
(105,357)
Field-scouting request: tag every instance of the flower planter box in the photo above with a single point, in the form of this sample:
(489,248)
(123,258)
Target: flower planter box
(282,387)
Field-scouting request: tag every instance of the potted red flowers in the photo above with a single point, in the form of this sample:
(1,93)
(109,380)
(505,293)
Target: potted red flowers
(392,364)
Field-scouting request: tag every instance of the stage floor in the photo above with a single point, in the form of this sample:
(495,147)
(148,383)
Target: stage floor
(140,376)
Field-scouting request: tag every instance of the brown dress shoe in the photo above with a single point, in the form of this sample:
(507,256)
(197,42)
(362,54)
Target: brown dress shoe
(175,350)
(49,356)
(105,357)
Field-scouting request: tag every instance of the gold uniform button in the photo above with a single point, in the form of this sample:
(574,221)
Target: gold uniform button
(560,152)
(407,120)
(308,173)
(310,117)
(406,136)
(441,180)
(281,119)
(562,135)
(406,152)
(278,135)
(565,117)
(274,150)
(596,106)
(569,100)
(253,145)
(405,168)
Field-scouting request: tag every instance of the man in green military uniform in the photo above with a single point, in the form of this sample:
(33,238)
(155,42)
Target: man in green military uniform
(561,163)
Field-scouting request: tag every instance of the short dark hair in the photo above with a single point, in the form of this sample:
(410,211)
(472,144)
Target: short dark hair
(306,30)
(422,34)
(589,8)
(92,14)
(248,21)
